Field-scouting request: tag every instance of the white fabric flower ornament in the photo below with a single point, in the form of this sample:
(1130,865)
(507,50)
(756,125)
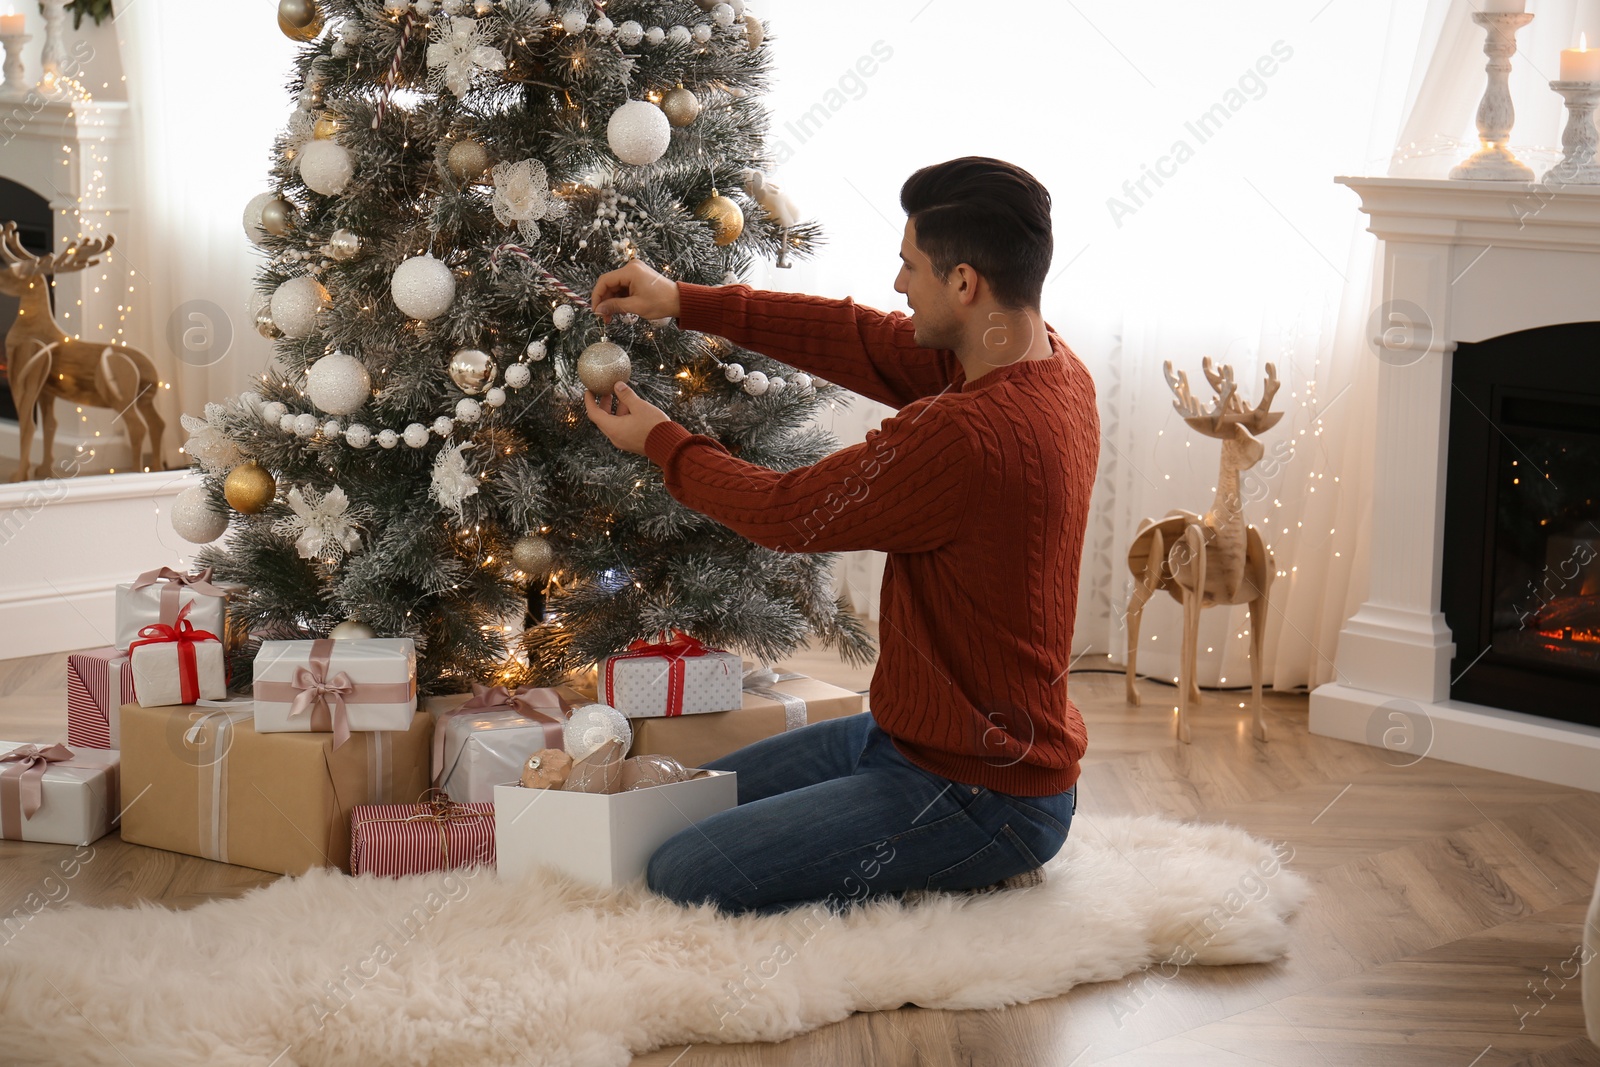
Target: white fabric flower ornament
(322,525)
(461,50)
(522,196)
(209,442)
(452,481)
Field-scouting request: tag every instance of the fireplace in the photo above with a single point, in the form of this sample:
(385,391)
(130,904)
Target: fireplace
(1521,589)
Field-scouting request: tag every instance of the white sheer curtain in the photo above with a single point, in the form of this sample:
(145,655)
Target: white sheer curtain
(1240,246)
(206,96)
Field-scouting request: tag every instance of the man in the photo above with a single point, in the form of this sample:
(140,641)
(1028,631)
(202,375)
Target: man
(963,775)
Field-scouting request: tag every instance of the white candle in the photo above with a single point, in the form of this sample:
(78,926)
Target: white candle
(1505,7)
(1580,64)
(13,25)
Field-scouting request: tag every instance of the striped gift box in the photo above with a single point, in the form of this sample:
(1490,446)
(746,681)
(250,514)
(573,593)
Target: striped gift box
(93,709)
(391,840)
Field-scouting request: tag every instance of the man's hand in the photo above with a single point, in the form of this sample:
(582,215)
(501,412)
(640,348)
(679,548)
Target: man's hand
(634,287)
(632,422)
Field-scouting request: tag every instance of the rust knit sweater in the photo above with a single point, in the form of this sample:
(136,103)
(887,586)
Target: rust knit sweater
(979,493)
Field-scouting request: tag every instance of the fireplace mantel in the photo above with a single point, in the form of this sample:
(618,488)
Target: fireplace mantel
(1462,262)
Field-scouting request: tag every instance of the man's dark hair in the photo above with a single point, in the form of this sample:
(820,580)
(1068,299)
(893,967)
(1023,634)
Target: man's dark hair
(988,213)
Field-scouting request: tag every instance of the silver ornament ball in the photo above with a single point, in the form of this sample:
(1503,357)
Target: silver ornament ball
(338,383)
(343,245)
(194,519)
(638,132)
(296,303)
(472,370)
(423,287)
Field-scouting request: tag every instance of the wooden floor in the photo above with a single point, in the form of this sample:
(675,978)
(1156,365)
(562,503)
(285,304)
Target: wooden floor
(1447,909)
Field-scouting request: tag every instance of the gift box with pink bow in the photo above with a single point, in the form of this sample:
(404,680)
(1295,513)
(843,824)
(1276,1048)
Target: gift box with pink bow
(177,663)
(54,793)
(482,740)
(155,597)
(674,675)
(337,687)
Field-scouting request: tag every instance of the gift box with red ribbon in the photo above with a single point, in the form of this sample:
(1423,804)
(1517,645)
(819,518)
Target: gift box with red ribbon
(57,794)
(98,684)
(155,597)
(674,676)
(391,840)
(481,741)
(177,664)
(336,687)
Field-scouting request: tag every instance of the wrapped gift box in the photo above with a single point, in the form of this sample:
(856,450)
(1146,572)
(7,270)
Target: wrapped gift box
(391,840)
(339,686)
(176,667)
(787,703)
(605,839)
(675,677)
(99,682)
(208,784)
(56,793)
(481,741)
(157,596)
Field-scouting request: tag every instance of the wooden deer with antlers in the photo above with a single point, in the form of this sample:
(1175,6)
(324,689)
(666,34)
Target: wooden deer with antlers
(1215,558)
(44,363)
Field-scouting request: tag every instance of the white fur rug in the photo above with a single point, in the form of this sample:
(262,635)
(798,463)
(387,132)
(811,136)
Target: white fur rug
(460,968)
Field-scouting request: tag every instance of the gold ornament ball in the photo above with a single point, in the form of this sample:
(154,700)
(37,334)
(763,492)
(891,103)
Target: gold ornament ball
(249,488)
(324,129)
(467,160)
(277,216)
(533,555)
(352,630)
(265,326)
(300,20)
(681,105)
(754,32)
(724,214)
(472,370)
(602,365)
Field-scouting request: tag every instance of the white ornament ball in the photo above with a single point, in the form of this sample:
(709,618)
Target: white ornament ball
(194,519)
(495,397)
(734,372)
(574,22)
(338,384)
(775,384)
(638,132)
(252,216)
(630,33)
(295,305)
(286,424)
(755,383)
(536,350)
(388,438)
(468,409)
(443,426)
(702,33)
(802,381)
(563,316)
(591,726)
(655,35)
(518,375)
(678,35)
(603,26)
(723,15)
(272,413)
(305,424)
(332,428)
(738,7)
(422,287)
(326,167)
(351,630)
(357,435)
(423,7)
(416,435)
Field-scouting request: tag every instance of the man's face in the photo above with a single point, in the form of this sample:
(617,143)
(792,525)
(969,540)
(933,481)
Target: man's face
(931,301)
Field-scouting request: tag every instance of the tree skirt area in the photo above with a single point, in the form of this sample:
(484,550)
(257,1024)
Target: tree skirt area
(460,967)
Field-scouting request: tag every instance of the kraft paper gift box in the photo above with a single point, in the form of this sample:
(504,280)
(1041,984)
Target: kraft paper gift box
(391,840)
(604,839)
(773,703)
(339,686)
(679,676)
(481,741)
(99,682)
(203,781)
(157,596)
(56,793)
(177,664)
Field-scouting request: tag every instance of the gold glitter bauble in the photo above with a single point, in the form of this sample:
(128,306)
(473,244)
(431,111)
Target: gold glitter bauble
(602,366)
(681,105)
(533,555)
(325,128)
(351,630)
(724,214)
(249,488)
(467,160)
(300,20)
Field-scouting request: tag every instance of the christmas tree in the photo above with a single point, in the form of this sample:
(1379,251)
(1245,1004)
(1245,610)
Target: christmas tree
(416,461)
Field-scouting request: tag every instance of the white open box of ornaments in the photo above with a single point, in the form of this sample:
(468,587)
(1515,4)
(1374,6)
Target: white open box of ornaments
(605,839)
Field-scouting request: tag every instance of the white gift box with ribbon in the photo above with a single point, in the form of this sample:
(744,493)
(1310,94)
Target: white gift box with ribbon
(673,677)
(340,687)
(177,664)
(54,793)
(484,741)
(156,596)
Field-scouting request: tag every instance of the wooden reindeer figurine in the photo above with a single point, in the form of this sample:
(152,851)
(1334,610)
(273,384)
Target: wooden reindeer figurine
(44,363)
(1215,558)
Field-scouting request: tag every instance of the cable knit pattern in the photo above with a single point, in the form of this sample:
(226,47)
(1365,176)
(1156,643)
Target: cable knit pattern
(979,493)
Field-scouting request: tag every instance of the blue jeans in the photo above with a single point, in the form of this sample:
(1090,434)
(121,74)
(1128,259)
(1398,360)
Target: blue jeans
(833,812)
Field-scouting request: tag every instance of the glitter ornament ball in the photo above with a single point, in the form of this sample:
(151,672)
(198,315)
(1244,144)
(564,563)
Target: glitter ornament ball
(277,216)
(444,426)
(563,316)
(468,410)
(602,365)
(725,216)
(300,20)
(472,370)
(387,438)
(357,436)
(338,383)
(630,33)
(495,397)
(533,555)
(518,375)
(467,160)
(591,726)
(416,435)
(423,287)
(638,132)
(295,305)
(194,519)
(249,488)
(326,167)
(286,424)
(352,630)
(681,106)
(535,350)
(252,216)
(305,424)
(755,383)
